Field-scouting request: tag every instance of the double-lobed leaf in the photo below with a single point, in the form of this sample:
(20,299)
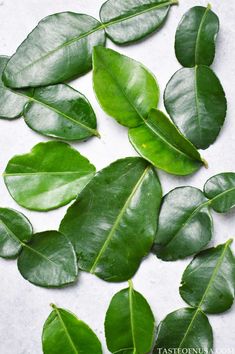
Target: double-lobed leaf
(113,223)
(58,111)
(133,93)
(220,189)
(128,21)
(195,37)
(49,260)
(196,102)
(185,224)
(11,104)
(48,177)
(129,323)
(59,48)
(15,230)
(209,281)
(185,328)
(64,333)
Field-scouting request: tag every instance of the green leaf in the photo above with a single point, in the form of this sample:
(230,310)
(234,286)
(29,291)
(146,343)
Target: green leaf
(159,142)
(185,328)
(64,333)
(11,104)
(196,36)
(50,176)
(58,49)
(15,228)
(61,112)
(209,281)
(129,323)
(113,223)
(195,100)
(49,260)
(185,224)
(132,89)
(220,189)
(128,21)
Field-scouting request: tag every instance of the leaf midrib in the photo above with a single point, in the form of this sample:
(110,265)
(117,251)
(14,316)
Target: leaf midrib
(161,134)
(83,173)
(47,106)
(66,330)
(11,233)
(132,317)
(118,219)
(199,33)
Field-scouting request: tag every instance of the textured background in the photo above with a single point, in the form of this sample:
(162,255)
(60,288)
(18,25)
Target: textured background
(24,307)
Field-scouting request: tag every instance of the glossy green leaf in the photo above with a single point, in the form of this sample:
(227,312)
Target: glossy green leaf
(50,176)
(128,21)
(129,323)
(195,100)
(185,328)
(11,104)
(185,224)
(58,49)
(132,89)
(209,280)
(49,260)
(113,223)
(15,228)
(62,112)
(159,142)
(196,36)
(64,333)
(220,189)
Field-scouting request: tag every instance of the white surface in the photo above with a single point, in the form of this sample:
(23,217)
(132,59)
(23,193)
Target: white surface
(25,307)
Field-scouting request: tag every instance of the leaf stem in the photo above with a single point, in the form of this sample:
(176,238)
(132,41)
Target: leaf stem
(205,163)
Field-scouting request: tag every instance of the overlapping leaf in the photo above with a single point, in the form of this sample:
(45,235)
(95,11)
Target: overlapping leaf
(49,260)
(185,224)
(60,46)
(195,37)
(209,281)
(113,223)
(122,19)
(129,323)
(185,329)
(63,332)
(58,111)
(195,100)
(132,93)
(50,176)
(15,230)
(220,189)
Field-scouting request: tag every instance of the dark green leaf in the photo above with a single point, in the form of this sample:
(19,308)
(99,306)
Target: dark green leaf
(221,190)
(185,329)
(15,228)
(209,280)
(64,333)
(113,223)
(159,142)
(128,21)
(196,36)
(129,323)
(50,176)
(132,89)
(62,112)
(185,224)
(195,100)
(11,104)
(59,48)
(49,260)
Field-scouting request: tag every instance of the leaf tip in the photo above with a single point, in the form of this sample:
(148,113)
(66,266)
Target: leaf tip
(53,306)
(229,242)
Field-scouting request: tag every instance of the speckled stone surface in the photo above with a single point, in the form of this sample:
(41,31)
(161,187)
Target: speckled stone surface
(24,307)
